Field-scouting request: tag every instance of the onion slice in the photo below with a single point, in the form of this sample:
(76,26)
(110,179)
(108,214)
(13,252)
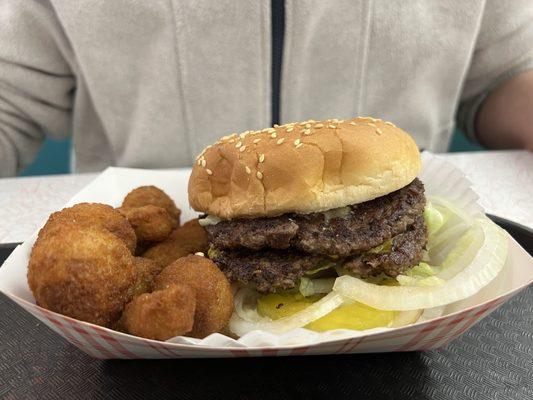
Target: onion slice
(245,303)
(405,318)
(487,262)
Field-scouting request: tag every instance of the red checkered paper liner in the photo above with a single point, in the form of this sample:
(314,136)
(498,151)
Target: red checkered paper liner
(103,343)
(111,186)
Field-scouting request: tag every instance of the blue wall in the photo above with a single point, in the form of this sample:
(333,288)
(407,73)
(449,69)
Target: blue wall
(54,157)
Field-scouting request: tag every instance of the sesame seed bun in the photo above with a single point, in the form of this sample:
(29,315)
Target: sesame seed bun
(305,167)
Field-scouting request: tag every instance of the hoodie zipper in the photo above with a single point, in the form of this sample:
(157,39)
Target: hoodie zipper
(278,33)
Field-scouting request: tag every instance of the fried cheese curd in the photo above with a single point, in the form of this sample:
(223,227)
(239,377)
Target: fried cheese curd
(214,299)
(152,195)
(82,272)
(145,272)
(162,314)
(187,239)
(150,223)
(93,215)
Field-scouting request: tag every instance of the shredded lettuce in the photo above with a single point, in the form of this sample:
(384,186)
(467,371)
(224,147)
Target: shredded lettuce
(309,287)
(434,218)
(422,274)
(406,280)
(381,279)
(323,265)
(423,269)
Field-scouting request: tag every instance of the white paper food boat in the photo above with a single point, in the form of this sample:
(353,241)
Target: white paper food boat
(440,178)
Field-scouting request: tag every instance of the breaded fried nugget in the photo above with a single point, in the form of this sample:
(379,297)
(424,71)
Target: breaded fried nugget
(150,223)
(162,314)
(145,195)
(82,272)
(187,239)
(214,299)
(145,271)
(95,215)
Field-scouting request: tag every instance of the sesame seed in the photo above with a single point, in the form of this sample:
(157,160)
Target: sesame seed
(276,126)
(331,126)
(261,157)
(297,142)
(353,123)
(280,141)
(203,162)
(199,253)
(318,126)
(271,130)
(199,162)
(242,149)
(259,175)
(389,123)
(238,144)
(371,124)
(274,135)
(209,172)
(302,123)
(248,170)
(379,131)
(257,140)
(231,141)
(308,126)
(306,131)
(299,145)
(341,121)
(290,129)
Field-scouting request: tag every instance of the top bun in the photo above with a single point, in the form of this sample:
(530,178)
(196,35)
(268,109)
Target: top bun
(305,167)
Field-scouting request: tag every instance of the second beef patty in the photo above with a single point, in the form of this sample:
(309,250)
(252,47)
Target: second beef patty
(348,231)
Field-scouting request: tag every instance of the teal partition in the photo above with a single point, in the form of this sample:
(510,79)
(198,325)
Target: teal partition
(54,158)
(460,143)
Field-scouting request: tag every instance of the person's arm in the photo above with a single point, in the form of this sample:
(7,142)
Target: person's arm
(496,106)
(36,81)
(505,118)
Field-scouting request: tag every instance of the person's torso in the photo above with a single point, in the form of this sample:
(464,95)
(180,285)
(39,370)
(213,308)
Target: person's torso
(157,81)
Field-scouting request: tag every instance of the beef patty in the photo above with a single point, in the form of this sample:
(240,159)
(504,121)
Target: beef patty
(359,227)
(273,270)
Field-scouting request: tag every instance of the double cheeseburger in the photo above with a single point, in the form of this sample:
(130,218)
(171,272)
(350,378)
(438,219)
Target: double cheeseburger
(310,198)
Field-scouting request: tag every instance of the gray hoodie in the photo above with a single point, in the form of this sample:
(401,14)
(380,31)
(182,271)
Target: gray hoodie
(150,83)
